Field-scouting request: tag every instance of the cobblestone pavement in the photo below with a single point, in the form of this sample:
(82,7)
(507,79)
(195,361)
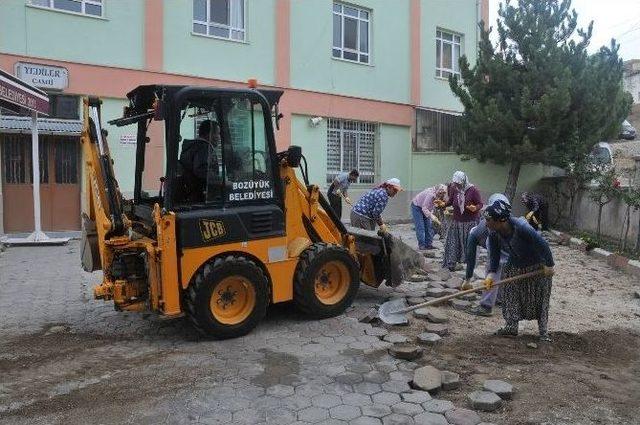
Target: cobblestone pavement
(66,358)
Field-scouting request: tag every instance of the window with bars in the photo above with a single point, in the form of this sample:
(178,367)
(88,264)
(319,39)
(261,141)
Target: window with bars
(351,145)
(83,7)
(351,33)
(437,131)
(66,161)
(16,159)
(447,54)
(220,18)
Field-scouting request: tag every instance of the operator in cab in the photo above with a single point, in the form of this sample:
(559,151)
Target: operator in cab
(198,158)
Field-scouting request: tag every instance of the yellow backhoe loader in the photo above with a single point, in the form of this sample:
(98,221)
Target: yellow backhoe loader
(220,241)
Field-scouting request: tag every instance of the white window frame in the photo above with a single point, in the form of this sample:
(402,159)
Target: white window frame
(364,132)
(50,5)
(360,18)
(455,42)
(209,23)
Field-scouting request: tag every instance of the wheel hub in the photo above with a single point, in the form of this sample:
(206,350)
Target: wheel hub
(227,297)
(233,300)
(332,282)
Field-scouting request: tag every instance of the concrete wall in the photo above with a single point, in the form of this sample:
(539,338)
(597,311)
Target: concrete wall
(190,54)
(631,84)
(429,169)
(458,16)
(115,40)
(612,218)
(387,77)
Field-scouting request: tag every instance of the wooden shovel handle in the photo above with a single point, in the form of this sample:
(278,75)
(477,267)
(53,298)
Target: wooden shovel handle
(469,291)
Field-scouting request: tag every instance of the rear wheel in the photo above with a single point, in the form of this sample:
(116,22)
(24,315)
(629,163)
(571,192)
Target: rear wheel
(326,280)
(227,297)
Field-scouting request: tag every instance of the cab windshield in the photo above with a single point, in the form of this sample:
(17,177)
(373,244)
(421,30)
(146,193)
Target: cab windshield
(223,152)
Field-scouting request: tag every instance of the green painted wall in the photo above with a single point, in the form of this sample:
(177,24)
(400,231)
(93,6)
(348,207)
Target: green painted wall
(393,157)
(313,141)
(185,53)
(124,156)
(459,16)
(429,169)
(395,153)
(116,40)
(313,67)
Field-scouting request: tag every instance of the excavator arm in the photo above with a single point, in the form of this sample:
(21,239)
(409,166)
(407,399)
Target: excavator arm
(103,218)
(382,258)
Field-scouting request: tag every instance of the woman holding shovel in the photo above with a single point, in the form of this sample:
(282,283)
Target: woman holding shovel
(422,211)
(528,252)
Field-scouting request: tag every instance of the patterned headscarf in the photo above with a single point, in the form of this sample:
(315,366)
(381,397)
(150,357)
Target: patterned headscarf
(460,178)
(499,210)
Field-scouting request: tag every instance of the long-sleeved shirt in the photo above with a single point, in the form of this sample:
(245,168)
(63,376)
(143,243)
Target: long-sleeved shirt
(424,200)
(372,203)
(533,201)
(472,197)
(524,246)
(478,237)
(340,182)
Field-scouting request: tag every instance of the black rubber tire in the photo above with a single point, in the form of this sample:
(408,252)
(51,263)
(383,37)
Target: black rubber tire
(201,289)
(309,263)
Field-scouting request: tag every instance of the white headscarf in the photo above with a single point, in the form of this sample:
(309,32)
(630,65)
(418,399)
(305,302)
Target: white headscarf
(460,178)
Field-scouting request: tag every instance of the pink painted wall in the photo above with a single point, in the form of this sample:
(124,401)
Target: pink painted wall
(415,52)
(283,43)
(153,29)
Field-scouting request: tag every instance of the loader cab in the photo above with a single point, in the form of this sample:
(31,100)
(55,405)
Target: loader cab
(221,184)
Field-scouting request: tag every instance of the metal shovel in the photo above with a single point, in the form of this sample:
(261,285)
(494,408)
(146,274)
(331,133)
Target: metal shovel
(394,312)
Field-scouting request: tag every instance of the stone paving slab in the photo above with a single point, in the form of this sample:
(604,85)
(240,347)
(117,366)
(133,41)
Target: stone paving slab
(79,359)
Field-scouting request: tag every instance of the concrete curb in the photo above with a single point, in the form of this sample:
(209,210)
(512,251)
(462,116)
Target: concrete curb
(615,261)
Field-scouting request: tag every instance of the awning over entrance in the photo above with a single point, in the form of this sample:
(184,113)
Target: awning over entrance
(46,126)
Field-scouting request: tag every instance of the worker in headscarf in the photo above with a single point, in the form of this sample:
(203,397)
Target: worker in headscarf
(422,210)
(527,251)
(478,238)
(367,212)
(466,202)
(537,210)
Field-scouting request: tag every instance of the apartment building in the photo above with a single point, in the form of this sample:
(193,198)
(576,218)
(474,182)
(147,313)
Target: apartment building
(365,86)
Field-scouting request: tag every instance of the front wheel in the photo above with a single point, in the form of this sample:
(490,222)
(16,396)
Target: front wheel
(326,281)
(227,297)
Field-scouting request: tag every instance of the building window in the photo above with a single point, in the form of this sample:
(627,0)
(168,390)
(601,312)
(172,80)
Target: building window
(66,157)
(220,18)
(437,131)
(447,54)
(351,145)
(351,33)
(16,159)
(83,7)
(64,107)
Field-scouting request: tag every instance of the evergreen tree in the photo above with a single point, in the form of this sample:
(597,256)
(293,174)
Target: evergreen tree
(538,96)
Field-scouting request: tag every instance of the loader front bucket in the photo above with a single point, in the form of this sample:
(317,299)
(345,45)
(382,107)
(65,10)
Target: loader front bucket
(391,259)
